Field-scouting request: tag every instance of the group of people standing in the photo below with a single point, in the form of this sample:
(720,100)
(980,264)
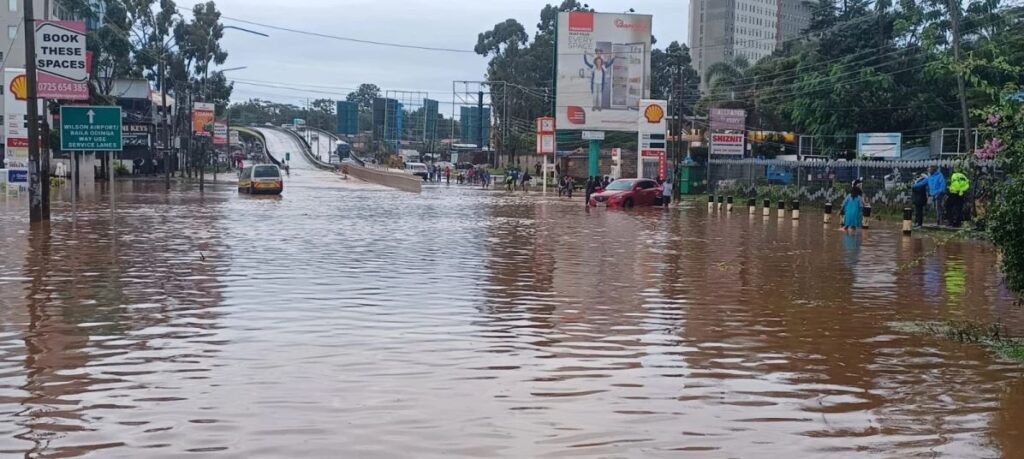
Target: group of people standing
(516,179)
(948,198)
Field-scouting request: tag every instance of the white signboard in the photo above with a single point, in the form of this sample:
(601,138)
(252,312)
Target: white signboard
(593,135)
(545,144)
(880,145)
(604,68)
(60,60)
(727,144)
(15,108)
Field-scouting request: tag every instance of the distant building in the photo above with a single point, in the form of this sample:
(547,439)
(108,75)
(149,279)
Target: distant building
(721,30)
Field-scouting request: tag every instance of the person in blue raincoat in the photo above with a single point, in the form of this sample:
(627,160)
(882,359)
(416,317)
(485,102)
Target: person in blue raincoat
(853,209)
(937,191)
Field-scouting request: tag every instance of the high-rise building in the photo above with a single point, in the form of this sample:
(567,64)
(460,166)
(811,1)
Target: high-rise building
(721,30)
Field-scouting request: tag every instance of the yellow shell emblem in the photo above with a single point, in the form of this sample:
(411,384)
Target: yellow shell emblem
(19,87)
(654,113)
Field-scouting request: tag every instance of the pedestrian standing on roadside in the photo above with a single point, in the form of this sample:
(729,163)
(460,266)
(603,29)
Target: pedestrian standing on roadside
(666,193)
(589,189)
(853,210)
(536,168)
(448,174)
(919,198)
(937,191)
(958,186)
(526,181)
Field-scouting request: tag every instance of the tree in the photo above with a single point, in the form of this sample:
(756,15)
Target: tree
(321,114)
(364,96)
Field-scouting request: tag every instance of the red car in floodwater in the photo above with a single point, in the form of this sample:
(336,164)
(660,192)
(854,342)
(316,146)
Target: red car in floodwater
(628,193)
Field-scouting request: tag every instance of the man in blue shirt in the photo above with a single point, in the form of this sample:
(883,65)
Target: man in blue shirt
(937,191)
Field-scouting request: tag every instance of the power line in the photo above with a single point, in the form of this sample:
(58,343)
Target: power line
(341,38)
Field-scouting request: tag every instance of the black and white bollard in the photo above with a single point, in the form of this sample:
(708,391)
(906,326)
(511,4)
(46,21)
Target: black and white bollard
(752,206)
(796,209)
(767,208)
(828,213)
(711,202)
(908,223)
(721,202)
(782,209)
(867,217)
(728,204)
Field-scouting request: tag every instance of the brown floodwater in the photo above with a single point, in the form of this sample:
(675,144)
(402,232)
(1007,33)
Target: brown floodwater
(340,320)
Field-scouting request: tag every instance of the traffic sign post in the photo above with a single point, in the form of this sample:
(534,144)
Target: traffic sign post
(90,128)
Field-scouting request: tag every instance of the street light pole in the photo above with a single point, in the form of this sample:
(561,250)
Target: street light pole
(38,209)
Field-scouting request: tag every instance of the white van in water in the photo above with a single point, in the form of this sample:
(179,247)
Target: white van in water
(417,169)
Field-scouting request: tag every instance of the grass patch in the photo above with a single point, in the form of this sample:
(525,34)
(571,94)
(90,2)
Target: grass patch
(991,336)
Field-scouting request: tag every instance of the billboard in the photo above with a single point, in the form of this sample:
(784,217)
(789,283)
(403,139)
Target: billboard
(725,119)
(604,70)
(727,144)
(202,116)
(220,133)
(61,60)
(348,118)
(880,145)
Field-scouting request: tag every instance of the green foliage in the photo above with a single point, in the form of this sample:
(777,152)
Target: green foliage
(875,66)
(364,96)
(1004,127)
(121,170)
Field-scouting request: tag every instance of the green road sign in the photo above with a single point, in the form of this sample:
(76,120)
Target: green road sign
(90,128)
(287,156)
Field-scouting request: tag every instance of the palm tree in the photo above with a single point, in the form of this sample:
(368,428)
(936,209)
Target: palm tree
(725,76)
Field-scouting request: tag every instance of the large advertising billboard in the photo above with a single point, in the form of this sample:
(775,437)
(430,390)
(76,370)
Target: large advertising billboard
(604,70)
(61,60)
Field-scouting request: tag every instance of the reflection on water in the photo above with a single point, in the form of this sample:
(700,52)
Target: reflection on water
(345,322)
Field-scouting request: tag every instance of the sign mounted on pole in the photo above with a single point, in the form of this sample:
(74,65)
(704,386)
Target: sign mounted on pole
(220,133)
(545,136)
(16,110)
(61,71)
(881,145)
(90,128)
(652,126)
(727,144)
(725,119)
(603,70)
(202,118)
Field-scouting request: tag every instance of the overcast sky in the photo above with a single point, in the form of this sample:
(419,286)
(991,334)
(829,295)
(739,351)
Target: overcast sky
(290,59)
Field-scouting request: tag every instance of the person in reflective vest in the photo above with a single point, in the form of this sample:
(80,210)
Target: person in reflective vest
(958,186)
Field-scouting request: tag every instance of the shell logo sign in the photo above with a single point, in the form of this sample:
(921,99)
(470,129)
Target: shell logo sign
(654,113)
(19,87)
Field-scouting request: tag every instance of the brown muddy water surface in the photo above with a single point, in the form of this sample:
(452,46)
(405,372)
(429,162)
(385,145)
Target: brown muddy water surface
(350,321)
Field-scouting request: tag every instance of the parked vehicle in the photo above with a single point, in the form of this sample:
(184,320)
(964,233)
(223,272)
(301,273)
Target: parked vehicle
(417,169)
(261,178)
(627,193)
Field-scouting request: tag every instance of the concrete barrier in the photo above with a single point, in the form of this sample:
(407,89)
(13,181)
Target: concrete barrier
(397,180)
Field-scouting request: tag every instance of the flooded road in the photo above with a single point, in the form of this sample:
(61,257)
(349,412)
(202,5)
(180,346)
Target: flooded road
(339,321)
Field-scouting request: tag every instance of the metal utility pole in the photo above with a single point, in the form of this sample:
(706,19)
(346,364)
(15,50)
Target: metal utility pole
(38,207)
(954,12)
(163,121)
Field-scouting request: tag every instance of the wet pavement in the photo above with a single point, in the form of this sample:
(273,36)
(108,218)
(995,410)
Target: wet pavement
(348,321)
